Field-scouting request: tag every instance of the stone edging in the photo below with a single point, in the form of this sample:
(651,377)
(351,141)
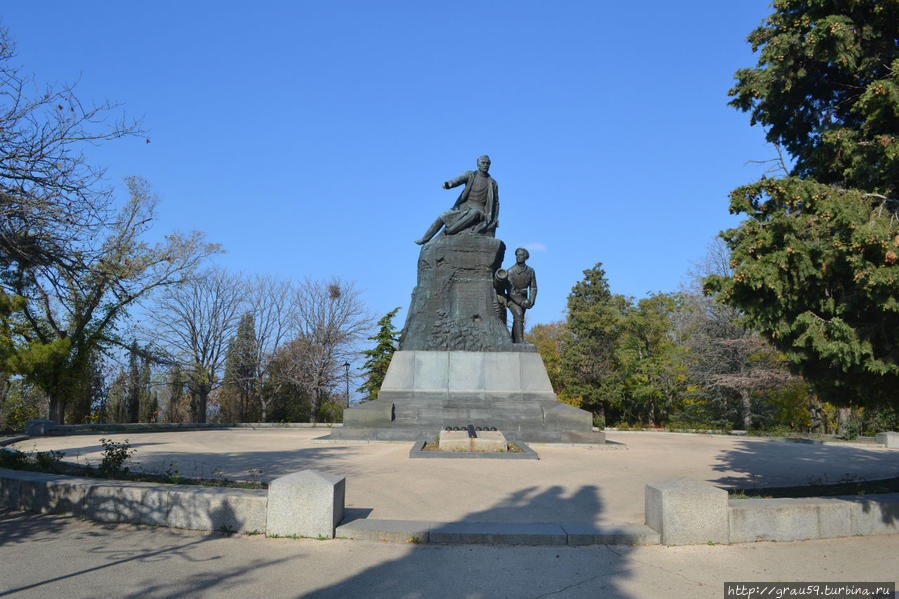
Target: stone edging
(314,506)
(687,512)
(311,504)
(43,427)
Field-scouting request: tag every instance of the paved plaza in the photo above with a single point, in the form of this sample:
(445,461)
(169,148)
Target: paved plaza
(53,556)
(568,484)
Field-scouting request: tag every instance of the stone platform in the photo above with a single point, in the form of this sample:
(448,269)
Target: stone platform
(425,391)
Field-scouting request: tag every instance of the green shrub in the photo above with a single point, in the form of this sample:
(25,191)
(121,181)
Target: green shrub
(114,456)
(49,460)
(13,459)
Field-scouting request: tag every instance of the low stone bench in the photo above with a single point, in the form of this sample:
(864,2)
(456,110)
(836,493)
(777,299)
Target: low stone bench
(307,503)
(687,512)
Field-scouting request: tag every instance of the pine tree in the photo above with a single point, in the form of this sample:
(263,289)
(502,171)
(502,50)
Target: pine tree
(174,410)
(239,393)
(378,358)
(116,404)
(815,264)
(147,397)
(133,392)
(595,322)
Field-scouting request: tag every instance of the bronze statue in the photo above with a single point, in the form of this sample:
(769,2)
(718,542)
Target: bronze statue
(477,208)
(517,291)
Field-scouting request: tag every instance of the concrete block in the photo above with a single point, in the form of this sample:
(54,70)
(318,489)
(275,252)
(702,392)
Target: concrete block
(498,533)
(501,374)
(628,534)
(788,519)
(466,373)
(137,503)
(489,441)
(874,514)
(370,413)
(534,378)
(211,508)
(431,371)
(392,531)
(38,427)
(400,373)
(687,512)
(307,504)
(486,441)
(454,441)
(888,439)
(52,494)
(562,417)
(9,489)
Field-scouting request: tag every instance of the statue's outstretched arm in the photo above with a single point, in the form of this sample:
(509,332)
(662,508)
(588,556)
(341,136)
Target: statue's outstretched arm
(463,178)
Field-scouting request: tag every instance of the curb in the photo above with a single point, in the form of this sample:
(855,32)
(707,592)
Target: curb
(496,533)
(10,440)
(678,512)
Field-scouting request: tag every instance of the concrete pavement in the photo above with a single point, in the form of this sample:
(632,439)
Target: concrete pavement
(601,486)
(52,556)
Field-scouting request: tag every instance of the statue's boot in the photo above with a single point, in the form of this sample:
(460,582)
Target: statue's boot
(432,230)
(518,330)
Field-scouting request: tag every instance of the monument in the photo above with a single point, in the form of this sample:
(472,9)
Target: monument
(457,363)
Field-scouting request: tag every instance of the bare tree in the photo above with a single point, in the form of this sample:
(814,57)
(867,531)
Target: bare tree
(722,353)
(270,303)
(51,198)
(69,314)
(330,320)
(194,322)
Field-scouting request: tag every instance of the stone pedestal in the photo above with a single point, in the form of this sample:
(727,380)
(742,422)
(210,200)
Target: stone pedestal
(457,364)
(425,391)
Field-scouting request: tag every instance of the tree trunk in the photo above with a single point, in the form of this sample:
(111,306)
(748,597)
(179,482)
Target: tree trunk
(745,397)
(316,404)
(814,415)
(842,427)
(57,411)
(201,405)
(652,410)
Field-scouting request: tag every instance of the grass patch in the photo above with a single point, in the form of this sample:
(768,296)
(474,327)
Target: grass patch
(865,487)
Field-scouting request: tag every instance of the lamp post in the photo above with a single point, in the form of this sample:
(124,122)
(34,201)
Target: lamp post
(346,365)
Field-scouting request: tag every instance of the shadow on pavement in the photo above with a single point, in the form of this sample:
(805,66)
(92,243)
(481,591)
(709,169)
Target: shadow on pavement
(22,527)
(499,570)
(779,463)
(233,465)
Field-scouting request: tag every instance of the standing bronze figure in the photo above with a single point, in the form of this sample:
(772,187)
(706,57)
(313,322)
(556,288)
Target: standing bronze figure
(517,291)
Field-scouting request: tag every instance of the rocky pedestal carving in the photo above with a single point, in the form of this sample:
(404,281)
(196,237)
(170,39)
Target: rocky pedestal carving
(454,305)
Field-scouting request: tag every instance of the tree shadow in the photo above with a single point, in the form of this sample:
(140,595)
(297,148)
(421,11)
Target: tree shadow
(95,543)
(260,465)
(20,527)
(481,571)
(780,463)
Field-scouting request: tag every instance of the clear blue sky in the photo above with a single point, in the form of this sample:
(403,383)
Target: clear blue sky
(311,138)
